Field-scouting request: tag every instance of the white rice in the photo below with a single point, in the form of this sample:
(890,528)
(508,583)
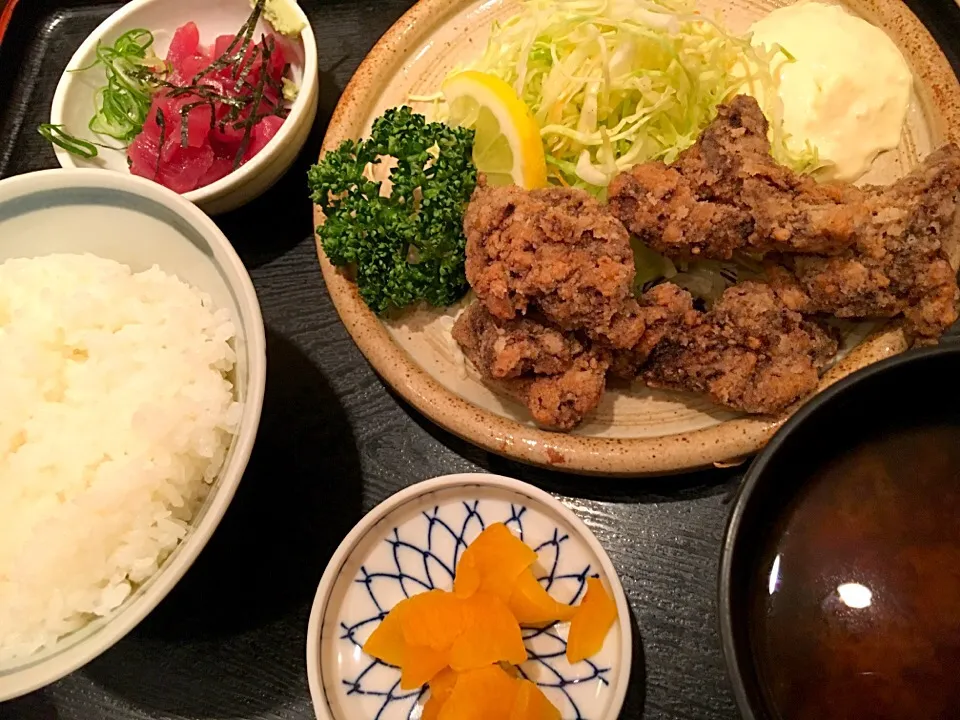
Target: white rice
(115,416)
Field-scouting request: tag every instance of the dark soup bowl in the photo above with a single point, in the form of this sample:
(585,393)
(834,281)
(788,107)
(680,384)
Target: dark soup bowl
(840,575)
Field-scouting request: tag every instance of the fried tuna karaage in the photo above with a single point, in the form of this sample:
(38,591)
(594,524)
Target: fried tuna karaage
(838,249)
(558,250)
(555,312)
(726,193)
(749,352)
(900,268)
(553,272)
(558,377)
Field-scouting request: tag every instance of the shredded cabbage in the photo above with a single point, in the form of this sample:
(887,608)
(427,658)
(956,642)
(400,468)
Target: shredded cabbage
(613,83)
(650,266)
(704,279)
(707,279)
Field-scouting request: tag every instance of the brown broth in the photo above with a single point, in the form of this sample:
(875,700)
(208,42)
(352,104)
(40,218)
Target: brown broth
(863,620)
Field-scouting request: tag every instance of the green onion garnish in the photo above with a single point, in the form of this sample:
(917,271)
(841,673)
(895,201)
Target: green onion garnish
(61,138)
(133,76)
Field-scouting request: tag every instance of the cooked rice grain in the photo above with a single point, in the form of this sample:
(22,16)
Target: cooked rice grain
(115,417)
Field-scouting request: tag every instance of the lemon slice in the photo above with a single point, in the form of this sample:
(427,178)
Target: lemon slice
(507,148)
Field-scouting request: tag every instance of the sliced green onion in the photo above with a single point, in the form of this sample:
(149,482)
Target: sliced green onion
(61,138)
(133,76)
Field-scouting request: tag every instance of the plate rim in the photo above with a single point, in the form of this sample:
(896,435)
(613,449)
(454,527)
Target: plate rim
(727,443)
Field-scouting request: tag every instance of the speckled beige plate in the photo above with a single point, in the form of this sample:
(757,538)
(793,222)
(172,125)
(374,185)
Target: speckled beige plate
(635,431)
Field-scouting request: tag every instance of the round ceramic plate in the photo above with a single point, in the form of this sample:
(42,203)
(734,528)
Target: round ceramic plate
(635,430)
(410,544)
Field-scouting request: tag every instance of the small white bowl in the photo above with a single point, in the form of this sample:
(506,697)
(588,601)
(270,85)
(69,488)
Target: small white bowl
(409,544)
(73,100)
(138,223)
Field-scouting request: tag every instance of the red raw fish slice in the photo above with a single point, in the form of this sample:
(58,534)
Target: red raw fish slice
(150,126)
(169,109)
(198,128)
(197,119)
(221,45)
(143,156)
(271,97)
(217,81)
(189,68)
(226,134)
(263,133)
(186,167)
(220,168)
(185,42)
(181,169)
(251,67)
(210,153)
(268,107)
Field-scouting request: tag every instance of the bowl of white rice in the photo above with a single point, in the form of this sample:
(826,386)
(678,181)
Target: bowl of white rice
(132,373)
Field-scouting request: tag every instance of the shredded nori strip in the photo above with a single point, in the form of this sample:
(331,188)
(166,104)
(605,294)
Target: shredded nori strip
(162,124)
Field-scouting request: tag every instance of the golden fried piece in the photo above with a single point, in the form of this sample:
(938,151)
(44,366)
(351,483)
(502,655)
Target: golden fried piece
(726,193)
(556,376)
(665,309)
(662,208)
(902,269)
(557,250)
(749,352)
(922,288)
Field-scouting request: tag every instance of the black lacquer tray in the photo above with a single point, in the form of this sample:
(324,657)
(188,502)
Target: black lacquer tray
(229,642)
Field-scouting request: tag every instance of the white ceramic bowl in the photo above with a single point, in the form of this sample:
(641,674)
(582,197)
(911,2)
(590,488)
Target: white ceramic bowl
(73,101)
(409,544)
(140,224)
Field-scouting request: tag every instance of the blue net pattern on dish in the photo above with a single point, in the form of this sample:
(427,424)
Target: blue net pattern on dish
(419,567)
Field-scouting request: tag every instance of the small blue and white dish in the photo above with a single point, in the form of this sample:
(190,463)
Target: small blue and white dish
(410,544)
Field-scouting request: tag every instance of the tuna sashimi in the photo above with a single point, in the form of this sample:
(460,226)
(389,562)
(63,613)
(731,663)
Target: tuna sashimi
(194,137)
(185,42)
(263,133)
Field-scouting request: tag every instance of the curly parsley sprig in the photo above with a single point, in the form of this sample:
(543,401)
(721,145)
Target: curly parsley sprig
(408,246)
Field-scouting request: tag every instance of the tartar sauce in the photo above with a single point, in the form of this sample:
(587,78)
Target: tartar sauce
(846,92)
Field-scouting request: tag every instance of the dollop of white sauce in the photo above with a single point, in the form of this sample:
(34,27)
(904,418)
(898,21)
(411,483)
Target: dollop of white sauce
(847,90)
